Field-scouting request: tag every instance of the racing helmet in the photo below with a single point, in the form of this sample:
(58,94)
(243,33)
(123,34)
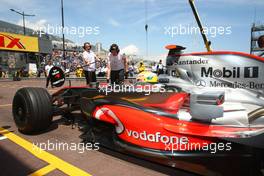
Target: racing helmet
(147,77)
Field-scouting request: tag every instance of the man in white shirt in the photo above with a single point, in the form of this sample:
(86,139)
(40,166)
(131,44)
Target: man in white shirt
(48,67)
(117,65)
(89,59)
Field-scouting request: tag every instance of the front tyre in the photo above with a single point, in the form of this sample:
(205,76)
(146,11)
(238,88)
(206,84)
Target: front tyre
(32,109)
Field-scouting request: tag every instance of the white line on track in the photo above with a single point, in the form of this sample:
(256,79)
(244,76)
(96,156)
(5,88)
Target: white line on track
(5,105)
(2,138)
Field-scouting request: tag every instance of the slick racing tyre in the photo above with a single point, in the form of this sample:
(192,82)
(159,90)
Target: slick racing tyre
(32,110)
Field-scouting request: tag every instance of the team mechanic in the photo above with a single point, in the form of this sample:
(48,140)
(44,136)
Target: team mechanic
(116,65)
(89,58)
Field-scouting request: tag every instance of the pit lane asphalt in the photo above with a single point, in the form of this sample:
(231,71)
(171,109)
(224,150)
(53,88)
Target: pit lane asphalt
(18,158)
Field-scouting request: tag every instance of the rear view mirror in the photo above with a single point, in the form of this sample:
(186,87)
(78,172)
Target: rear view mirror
(205,107)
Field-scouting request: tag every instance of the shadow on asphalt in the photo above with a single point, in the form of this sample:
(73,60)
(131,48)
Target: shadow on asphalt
(11,165)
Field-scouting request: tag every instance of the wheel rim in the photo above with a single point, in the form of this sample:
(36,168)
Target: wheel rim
(21,114)
(20,110)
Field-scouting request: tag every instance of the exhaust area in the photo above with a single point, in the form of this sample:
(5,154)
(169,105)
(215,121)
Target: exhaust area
(254,115)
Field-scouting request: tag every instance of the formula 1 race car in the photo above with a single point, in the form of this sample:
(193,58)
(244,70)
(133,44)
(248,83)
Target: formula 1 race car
(178,129)
(205,116)
(179,123)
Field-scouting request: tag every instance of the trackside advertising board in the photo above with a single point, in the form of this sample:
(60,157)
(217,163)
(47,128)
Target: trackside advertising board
(15,42)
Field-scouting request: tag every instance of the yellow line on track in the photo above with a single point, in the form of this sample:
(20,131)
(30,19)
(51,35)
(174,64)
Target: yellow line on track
(43,171)
(43,155)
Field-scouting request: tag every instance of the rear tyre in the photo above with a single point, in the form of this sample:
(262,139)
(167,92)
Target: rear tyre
(32,110)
